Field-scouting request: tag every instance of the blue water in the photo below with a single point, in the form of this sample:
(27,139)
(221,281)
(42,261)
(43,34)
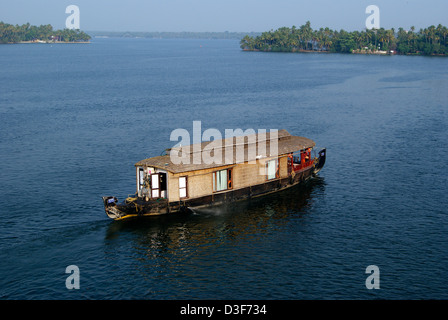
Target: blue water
(75,118)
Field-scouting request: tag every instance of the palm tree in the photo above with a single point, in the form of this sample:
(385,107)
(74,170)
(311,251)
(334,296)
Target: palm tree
(382,36)
(306,33)
(431,34)
(390,37)
(357,36)
(246,43)
(444,33)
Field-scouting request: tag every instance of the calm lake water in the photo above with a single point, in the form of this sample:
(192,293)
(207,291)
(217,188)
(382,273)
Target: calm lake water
(76,118)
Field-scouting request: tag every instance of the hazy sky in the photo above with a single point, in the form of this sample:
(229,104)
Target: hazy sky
(224,15)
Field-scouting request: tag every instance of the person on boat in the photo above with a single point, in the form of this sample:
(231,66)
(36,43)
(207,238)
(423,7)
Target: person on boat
(303,156)
(307,155)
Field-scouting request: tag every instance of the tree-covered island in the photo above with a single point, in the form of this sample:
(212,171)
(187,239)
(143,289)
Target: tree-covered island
(428,41)
(27,33)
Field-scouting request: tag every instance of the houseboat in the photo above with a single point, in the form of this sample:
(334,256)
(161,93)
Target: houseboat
(249,168)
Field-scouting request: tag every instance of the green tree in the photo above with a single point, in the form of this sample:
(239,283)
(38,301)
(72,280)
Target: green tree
(432,40)
(346,42)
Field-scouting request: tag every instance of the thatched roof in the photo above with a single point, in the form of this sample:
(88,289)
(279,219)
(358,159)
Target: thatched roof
(229,151)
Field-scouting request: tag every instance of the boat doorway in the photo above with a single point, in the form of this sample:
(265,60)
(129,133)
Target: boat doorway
(159,185)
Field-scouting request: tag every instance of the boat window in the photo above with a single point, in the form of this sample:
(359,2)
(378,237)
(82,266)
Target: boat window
(222,180)
(183,187)
(141,178)
(271,169)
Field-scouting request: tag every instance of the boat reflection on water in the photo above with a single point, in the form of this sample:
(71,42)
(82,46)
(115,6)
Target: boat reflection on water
(206,227)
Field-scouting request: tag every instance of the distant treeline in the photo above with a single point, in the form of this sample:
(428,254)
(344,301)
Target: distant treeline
(428,41)
(173,35)
(14,33)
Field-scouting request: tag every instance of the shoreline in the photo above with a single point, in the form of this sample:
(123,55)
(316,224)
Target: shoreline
(321,51)
(376,53)
(48,42)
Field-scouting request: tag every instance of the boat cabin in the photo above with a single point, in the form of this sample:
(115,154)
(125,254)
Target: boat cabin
(159,177)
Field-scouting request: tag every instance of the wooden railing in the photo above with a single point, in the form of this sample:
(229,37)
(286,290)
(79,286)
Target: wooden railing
(301,166)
